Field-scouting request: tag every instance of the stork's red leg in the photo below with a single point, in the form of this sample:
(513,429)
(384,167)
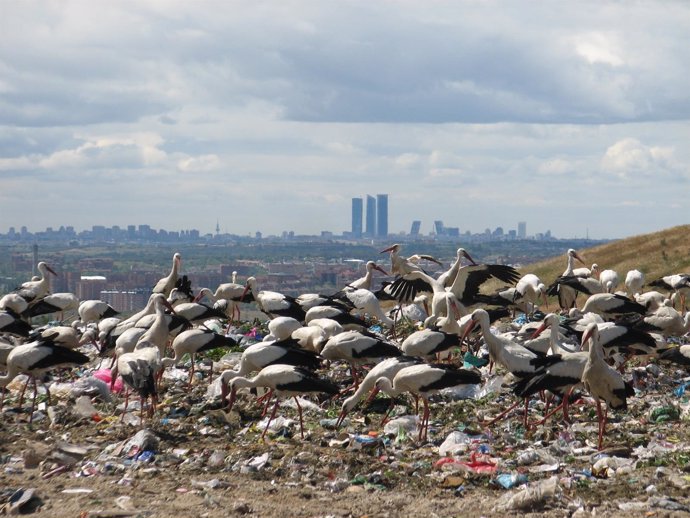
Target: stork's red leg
(273,414)
(301,422)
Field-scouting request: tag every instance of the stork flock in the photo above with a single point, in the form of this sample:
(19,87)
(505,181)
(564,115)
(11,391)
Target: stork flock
(580,349)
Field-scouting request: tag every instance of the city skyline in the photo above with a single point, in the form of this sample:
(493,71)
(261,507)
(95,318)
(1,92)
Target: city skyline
(570,116)
(145,231)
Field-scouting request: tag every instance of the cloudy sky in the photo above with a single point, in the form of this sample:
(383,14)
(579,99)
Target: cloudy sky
(271,116)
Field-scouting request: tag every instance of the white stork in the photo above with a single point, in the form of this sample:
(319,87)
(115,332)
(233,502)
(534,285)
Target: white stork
(587,272)
(310,337)
(95,310)
(678,283)
(602,381)
(609,280)
(358,348)
(666,321)
(262,354)
(155,335)
(11,323)
(328,325)
(193,341)
(562,371)
(447,277)
(229,295)
(634,282)
(37,289)
(387,368)
(423,381)
(609,304)
(428,342)
(52,303)
(365,302)
(13,302)
(112,332)
(531,289)
(512,356)
(139,370)
(341,315)
(197,313)
(281,328)
(401,265)
(651,300)
(365,282)
(36,358)
(272,303)
(566,294)
(284,380)
(166,284)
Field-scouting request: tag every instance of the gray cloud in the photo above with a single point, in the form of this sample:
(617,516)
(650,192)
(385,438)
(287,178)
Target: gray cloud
(477,113)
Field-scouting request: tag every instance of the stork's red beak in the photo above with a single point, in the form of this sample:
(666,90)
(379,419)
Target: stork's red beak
(468,329)
(539,331)
(587,334)
(377,267)
(169,306)
(389,249)
(51,270)
(455,309)
(469,258)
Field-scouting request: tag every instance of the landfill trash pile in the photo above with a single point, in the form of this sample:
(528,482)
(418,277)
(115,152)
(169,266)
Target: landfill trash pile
(350,428)
(78,456)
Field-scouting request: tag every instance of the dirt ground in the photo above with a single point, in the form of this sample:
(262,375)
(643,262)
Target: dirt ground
(206,462)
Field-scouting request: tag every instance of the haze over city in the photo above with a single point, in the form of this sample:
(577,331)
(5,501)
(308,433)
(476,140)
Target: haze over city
(270,117)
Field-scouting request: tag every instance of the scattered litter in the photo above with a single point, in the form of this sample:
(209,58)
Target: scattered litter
(533,497)
(511,480)
(407,424)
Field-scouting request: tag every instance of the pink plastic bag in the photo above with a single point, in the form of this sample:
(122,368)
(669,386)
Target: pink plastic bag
(105,375)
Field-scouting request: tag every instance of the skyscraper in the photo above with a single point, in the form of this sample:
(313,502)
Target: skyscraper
(416,225)
(381,215)
(439,228)
(357,213)
(522,230)
(371,216)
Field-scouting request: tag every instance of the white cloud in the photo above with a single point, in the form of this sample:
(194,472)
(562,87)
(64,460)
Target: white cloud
(629,158)
(597,47)
(199,163)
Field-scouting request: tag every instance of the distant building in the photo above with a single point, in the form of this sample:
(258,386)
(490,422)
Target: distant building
(439,229)
(416,225)
(357,217)
(371,216)
(522,230)
(90,287)
(381,215)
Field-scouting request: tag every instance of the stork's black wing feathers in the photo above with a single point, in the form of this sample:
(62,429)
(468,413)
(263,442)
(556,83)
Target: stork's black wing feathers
(476,275)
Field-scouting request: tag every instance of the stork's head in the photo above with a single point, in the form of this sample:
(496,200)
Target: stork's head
(43,267)
(592,331)
(463,253)
(248,286)
(393,249)
(572,253)
(371,265)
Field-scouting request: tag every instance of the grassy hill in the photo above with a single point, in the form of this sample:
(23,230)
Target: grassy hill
(658,254)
